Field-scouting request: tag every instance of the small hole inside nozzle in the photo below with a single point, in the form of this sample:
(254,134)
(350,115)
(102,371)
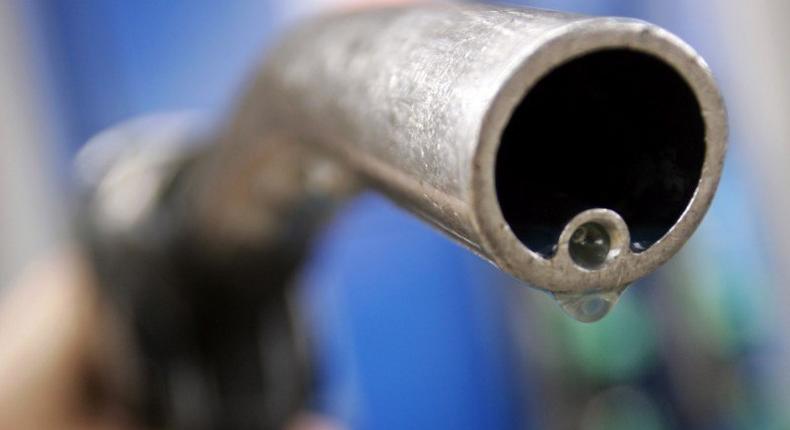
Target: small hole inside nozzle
(589,245)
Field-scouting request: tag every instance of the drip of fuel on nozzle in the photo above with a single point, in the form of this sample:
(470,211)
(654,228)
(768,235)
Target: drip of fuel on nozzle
(589,306)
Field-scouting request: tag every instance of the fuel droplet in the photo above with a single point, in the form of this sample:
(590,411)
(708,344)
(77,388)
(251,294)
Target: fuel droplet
(588,307)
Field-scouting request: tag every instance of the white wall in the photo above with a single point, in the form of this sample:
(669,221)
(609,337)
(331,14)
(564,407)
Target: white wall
(30,217)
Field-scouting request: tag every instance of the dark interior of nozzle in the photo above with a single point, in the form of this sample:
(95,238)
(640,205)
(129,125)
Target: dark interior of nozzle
(616,129)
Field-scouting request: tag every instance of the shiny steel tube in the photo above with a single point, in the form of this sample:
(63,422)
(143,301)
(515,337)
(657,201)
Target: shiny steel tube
(508,129)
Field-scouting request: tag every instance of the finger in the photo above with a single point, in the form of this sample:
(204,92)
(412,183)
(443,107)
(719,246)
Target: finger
(48,333)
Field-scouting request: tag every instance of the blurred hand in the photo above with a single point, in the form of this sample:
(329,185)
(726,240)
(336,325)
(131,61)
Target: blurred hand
(63,358)
(55,371)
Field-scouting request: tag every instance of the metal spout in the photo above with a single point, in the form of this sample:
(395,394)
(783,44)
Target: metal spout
(501,126)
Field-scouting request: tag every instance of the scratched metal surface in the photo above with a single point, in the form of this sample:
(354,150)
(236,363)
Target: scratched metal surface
(407,89)
(415,99)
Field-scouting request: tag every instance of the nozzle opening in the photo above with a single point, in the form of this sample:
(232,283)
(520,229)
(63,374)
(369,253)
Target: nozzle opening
(618,129)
